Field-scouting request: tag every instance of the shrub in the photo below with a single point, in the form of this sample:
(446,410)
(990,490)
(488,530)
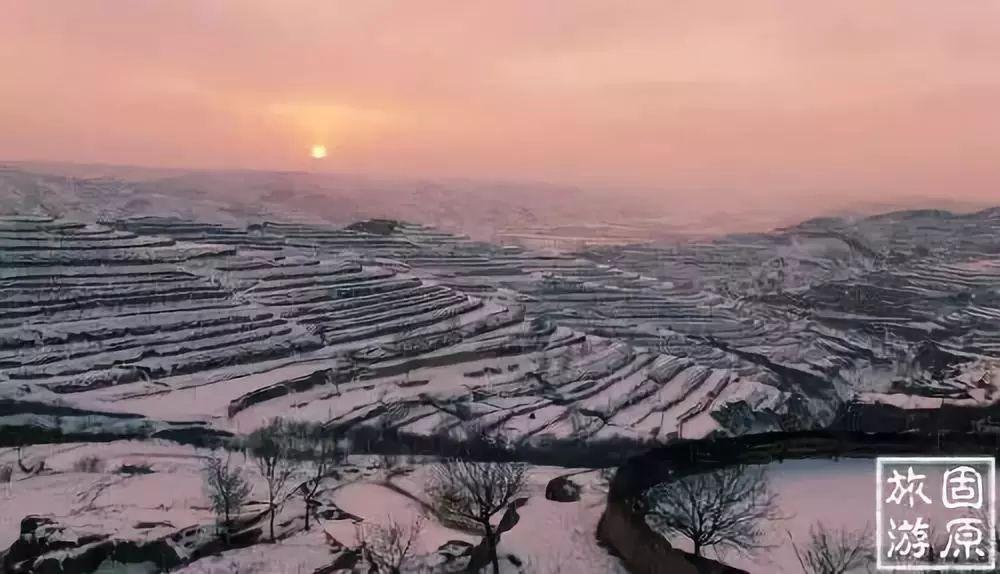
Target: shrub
(140,468)
(91,463)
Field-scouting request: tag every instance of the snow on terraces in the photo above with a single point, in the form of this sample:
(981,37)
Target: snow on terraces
(617,301)
(935,233)
(314,281)
(868,293)
(931,324)
(462,264)
(70,324)
(954,305)
(154,328)
(707,324)
(396,348)
(183,230)
(590,389)
(98,326)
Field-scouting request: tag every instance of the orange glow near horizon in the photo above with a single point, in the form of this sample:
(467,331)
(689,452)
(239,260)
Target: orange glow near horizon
(759,102)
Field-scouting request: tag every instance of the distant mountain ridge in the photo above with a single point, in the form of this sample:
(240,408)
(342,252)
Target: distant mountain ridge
(537,214)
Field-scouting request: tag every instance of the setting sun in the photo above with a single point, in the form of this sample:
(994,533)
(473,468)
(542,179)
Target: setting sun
(318,151)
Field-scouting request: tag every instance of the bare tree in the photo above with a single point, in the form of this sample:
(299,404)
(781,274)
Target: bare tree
(323,456)
(227,489)
(270,450)
(834,551)
(389,548)
(474,492)
(6,475)
(724,508)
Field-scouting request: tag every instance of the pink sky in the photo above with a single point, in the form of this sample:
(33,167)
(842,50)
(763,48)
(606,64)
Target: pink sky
(761,98)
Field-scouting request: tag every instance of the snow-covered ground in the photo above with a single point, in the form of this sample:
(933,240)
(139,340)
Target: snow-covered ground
(550,537)
(559,537)
(105,500)
(299,554)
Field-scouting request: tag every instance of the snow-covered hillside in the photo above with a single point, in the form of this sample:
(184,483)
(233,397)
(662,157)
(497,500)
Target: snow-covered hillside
(400,338)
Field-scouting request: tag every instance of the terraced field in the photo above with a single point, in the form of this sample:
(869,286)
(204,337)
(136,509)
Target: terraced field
(901,303)
(84,307)
(390,325)
(183,321)
(604,302)
(398,336)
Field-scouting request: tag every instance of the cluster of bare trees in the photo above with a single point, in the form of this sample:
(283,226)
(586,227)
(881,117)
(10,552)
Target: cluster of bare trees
(291,458)
(472,492)
(729,508)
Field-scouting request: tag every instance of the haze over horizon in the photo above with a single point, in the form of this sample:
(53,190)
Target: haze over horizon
(748,104)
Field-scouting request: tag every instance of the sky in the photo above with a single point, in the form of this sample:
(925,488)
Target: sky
(742,99)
